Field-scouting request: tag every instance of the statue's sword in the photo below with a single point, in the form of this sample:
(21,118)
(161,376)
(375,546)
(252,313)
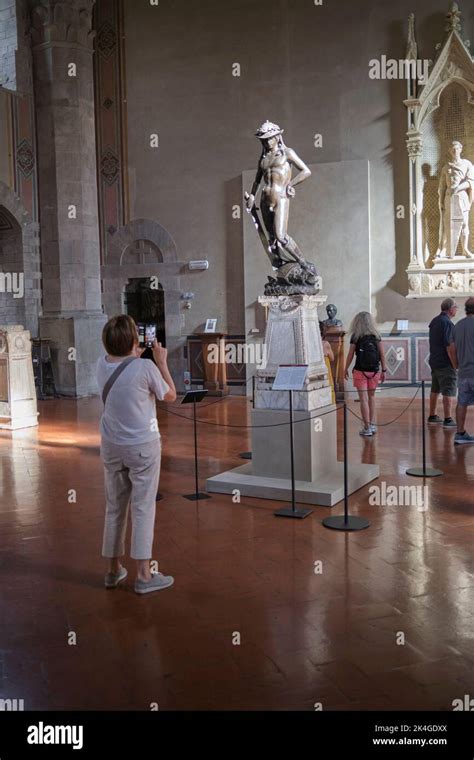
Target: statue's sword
(262,234)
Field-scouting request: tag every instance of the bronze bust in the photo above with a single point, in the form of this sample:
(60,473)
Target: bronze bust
(331,321)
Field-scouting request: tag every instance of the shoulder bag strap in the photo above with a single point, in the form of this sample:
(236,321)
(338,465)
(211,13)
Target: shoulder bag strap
(115,375)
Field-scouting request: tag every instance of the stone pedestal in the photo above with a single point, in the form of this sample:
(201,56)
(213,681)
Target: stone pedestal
(17,384)
(293,337)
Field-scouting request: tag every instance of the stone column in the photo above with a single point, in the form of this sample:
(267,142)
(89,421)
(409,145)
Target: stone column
(62,45)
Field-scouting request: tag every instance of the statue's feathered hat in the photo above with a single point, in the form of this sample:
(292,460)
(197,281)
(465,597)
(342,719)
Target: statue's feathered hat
(268,129)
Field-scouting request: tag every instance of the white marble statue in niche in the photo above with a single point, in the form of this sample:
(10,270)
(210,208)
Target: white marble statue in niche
(456,195)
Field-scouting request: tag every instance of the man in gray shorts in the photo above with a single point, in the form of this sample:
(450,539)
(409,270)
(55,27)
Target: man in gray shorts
(443,374)
(464,360)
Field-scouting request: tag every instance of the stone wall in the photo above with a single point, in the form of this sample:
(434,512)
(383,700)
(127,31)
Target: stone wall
(8,43)
(301,65)
(19,227)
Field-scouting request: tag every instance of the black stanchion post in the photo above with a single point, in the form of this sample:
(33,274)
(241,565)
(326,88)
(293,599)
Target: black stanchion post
(345,522)
(346,466)
(423,423)
(195,451)
(248,454)
(292,511)
(292,454)
(424,471)
(195,396)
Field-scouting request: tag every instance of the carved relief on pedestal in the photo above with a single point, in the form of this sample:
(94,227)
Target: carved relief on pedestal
(414,283)
(426,284)
(443,283)
(293,336)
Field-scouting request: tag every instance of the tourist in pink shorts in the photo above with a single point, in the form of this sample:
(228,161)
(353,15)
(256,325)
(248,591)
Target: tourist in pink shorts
(365,381)
(369,368)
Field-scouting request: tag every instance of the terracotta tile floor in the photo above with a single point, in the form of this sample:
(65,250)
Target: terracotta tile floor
(304,637)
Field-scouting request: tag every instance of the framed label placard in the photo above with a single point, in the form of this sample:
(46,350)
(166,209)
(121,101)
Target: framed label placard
(211,325)
(290,377)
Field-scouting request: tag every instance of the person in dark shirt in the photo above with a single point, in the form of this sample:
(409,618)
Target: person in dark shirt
(464,361)
(442,363)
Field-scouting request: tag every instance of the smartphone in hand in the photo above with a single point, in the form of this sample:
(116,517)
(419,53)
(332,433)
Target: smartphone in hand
(150,335)
(146,335)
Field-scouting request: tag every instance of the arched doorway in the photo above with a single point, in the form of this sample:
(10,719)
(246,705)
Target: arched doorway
(146,304)
(140,251)
(20,295)
(12,278)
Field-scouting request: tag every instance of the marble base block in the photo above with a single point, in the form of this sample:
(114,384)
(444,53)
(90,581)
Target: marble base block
(314,443)
(318,474)
(326,491)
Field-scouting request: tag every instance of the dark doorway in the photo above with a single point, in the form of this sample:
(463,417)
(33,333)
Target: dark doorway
(12,307)
(146,304)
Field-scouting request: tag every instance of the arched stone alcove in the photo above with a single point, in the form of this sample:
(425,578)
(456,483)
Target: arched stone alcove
(20,295)
(144,249)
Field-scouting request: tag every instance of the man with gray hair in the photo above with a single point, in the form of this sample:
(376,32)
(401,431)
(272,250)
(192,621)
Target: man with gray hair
(464,361)
(443,374)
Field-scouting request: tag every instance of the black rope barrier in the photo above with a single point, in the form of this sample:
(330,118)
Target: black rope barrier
(249,427)
(344,522)
(395,419)
(279,424)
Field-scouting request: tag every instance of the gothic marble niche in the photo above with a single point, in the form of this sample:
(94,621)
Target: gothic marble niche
(440,144)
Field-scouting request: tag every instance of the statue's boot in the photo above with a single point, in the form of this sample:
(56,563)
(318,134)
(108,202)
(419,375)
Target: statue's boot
(292,249)
(274,250)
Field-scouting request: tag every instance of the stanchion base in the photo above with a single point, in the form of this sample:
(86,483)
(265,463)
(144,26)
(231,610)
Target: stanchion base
(290,512)
(418,472)
(196,496)
(352,523)
(159,496)
(246,455)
